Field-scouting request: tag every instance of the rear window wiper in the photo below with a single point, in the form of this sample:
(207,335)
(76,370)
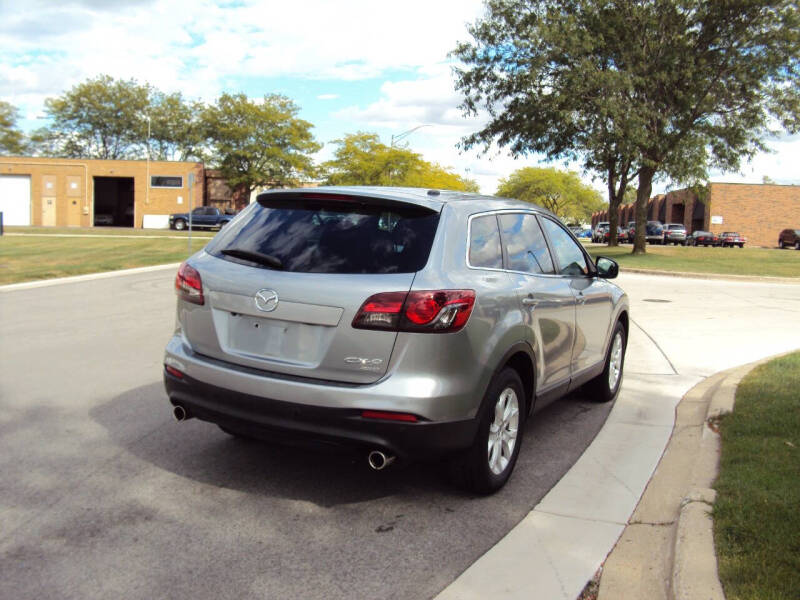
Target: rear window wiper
(258,257)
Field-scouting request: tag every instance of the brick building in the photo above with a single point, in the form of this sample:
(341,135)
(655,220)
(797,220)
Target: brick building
(82,193)
(757,211)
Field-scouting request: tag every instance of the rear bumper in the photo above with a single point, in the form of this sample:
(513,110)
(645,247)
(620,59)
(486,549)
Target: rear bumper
(289,422)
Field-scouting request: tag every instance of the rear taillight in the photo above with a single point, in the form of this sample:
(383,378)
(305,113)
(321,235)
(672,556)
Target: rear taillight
(188,284)
(429,311)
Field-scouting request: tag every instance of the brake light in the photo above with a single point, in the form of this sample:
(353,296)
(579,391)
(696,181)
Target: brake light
(428,311)
(189,285)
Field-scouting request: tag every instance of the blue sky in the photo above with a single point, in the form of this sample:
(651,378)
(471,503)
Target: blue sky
(350,65)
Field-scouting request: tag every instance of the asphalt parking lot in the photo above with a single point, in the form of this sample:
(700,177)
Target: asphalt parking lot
(104,495)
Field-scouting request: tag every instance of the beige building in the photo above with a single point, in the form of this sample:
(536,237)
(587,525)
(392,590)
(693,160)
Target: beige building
(84,193)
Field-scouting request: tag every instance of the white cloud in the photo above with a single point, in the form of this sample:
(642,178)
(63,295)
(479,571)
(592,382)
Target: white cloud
(327,96)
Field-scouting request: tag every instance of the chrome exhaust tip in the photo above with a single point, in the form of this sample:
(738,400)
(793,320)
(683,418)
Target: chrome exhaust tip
(180,413)
(378,460)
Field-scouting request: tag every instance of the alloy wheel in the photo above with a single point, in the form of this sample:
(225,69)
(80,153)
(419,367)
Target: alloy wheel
(615,362)
(503,431)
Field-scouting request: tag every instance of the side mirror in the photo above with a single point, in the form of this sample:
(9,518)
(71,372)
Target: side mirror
(607,268)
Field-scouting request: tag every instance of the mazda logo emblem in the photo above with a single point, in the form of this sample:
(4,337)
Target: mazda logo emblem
(266,300)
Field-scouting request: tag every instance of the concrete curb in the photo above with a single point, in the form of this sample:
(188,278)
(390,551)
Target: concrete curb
(666,551)
(730,277)
(26,285)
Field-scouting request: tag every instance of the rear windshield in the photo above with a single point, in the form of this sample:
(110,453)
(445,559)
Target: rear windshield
(329,236)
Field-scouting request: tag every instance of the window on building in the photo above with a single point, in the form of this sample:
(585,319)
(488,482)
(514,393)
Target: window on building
(166,181)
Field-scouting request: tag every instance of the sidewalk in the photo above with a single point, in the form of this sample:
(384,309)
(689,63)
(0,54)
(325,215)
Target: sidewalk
(667,550)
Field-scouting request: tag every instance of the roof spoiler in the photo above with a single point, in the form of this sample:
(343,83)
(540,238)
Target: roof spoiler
(314,198)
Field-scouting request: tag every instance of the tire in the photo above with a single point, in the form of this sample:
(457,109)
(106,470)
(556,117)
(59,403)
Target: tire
(741,245)
(781,245)
(180,224)
(604,387)
(487,465)
(797,245)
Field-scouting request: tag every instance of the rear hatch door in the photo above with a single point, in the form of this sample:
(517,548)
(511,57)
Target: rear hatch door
(283,282)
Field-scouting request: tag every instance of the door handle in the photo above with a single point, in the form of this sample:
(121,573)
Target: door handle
(530,301)
(581,299)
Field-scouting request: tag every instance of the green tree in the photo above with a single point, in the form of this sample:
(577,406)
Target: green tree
(176,127)
(259,143)
(12,141)
(99,118)
(560,192)
(647,87)
(361,159)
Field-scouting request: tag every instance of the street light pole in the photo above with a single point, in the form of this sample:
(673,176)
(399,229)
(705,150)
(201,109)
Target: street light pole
(147,183)
(405,134)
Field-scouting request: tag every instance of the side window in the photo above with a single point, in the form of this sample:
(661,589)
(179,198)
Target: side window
(568,253)
(484,243)
(525,244)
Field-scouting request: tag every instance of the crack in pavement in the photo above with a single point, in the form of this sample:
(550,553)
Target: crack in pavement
(655,343)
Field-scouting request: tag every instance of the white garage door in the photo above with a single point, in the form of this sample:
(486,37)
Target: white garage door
(15,199)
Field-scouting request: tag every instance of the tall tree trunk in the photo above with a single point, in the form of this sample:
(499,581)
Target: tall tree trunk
(642,196)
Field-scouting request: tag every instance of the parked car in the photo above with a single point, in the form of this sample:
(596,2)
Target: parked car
(599,230)
(702,238)
(630,229)
(406,323)
(585,233)
(731,238)
(622,235)
(654,232)
(103,219)
(202,217)
(675,233)
(789,238)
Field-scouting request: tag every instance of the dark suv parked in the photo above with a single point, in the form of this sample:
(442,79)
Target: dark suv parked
(789,238)
(408,323)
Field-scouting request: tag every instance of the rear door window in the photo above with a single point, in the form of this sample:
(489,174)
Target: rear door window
(525,245)
(330,236)
(484,243)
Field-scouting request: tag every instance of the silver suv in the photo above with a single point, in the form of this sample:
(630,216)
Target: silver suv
(408,323)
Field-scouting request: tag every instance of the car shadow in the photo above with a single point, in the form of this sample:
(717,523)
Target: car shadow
(140,421)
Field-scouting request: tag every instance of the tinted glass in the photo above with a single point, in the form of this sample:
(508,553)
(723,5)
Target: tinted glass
(323,236)
(568,253)
(525,244)
(484,243)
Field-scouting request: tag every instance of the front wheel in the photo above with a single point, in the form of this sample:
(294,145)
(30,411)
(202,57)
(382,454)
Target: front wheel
(180,224)
(488,464)
(605,386)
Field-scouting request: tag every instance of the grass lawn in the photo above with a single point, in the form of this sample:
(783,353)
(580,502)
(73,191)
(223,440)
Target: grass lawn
(108,231)
(30,258)
(725,261)
(757,513)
